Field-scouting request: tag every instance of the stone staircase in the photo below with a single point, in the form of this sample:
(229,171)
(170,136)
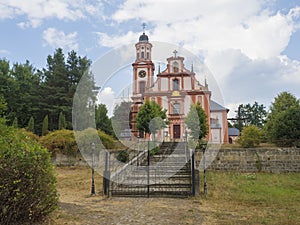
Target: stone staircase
(169,174)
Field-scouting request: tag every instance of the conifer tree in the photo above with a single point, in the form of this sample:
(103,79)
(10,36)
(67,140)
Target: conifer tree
(30,126)
(45,125)
(15,123)
(61,121)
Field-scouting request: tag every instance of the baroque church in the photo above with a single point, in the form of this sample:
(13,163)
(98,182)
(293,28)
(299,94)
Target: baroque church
(174,89)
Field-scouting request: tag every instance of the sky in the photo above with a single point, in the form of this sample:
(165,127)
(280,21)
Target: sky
(252,48)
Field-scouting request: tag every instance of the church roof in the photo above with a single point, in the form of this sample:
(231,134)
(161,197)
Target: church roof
(232,131)
(216,107)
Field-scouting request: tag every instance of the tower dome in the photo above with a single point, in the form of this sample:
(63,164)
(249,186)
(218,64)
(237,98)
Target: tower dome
(143,38)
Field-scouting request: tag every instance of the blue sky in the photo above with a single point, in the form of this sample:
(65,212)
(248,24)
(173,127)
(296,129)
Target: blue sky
(251,47)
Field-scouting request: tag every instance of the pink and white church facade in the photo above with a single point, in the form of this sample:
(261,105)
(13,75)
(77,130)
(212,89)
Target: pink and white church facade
(174,89)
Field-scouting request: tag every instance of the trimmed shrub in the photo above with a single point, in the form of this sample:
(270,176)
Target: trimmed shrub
(63,141)
(30,135)
(60,141)
(27,185)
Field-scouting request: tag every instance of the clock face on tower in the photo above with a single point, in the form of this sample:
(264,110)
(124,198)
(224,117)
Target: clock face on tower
(142,73)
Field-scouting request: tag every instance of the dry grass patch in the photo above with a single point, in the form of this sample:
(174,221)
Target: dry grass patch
(233,198)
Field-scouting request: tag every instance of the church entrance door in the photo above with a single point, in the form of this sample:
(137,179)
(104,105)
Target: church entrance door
(176,131)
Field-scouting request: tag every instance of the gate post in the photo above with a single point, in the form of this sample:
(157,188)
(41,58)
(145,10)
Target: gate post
(106,175)
(193,174)
(148,170)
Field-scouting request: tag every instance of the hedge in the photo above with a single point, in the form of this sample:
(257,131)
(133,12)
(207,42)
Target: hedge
(27,185)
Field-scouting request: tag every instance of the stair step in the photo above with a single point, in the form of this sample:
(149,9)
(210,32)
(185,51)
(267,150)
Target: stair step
(157,178)
(175,194)
(169,175)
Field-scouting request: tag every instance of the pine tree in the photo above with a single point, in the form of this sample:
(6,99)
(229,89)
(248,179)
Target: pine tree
(45,125)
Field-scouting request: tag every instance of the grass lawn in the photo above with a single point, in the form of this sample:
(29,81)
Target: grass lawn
(233,198)
(252,198)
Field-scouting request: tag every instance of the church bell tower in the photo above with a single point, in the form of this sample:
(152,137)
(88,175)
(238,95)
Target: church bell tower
(143,74)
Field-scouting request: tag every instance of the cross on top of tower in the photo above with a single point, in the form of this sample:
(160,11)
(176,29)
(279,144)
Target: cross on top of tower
(175,52)
(144,26)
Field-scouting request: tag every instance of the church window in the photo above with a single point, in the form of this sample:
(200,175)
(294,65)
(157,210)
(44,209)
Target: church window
(148,55)
(143,55)
(175,84)
(175,67)
(176,108)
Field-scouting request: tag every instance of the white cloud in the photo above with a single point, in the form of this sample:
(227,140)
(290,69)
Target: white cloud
(116,41)
(258,79)
(37,10)
(58,39)
(213,26)
(241,41)
(106,96)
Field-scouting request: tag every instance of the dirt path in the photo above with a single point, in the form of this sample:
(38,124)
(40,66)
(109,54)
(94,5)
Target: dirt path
(132,211)
(77,207)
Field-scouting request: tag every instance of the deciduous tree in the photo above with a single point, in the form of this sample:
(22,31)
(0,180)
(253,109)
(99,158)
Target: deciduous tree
(121,117)
(249,114)
(196,121)
(150,117)
(283,122)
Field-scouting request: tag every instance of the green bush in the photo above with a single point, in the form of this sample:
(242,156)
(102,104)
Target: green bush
(123,156)
(27,185)
(154,151)
(251,137)
(87,136)
(63,141)
(107,140)
(30,135)
(60,141)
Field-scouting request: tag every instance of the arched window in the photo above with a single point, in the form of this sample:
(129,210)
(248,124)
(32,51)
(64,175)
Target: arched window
(175,84)
(143,55)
